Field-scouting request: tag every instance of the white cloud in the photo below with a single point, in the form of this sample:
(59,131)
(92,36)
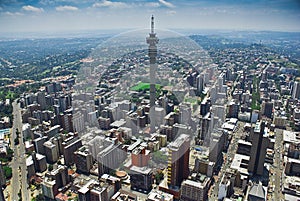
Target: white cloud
(153,4)
(167,4)
(106,3)
(66,8)
(32,9)
(171,12)
(13,14)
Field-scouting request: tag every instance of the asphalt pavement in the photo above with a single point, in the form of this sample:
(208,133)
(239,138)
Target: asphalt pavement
(18,164)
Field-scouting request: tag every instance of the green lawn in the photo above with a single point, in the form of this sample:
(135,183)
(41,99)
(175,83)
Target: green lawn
(144,86)
(191,100)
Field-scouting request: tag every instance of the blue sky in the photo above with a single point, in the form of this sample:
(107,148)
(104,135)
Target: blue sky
(71,15)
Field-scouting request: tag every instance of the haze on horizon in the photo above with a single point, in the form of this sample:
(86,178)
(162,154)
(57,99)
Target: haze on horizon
(79,15)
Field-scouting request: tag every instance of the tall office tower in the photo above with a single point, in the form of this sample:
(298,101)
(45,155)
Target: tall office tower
(69,148)
(200,83)
(41,99)
(233,109)
(152,40)
(195,190)
(178,160)
(267,109)
(51,152)
(140,157)
(2,176)
(83,160)
(1,194)
(141,179)
(221,81)
(296,90)
(2,182)
(110,158)
(60,176)
(260,142)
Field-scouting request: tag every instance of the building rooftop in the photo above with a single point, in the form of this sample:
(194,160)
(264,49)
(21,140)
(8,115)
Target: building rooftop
(118,123)
(134,145)
(49,144)
(156,195)
(141,170)
(290,136)
(258,191)
(194,183)
(240,163)
(179,141)
(29,161)
(257,127)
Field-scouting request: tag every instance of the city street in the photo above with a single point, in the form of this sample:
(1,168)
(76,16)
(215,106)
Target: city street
(18,164)
(278,166)
(230,154)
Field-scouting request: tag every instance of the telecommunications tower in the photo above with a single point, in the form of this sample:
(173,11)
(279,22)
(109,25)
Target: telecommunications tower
(152,40)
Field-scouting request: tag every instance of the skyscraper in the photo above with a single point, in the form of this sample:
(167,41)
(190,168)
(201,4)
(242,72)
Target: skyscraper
(258,149)
(178,161)
(141,179)
(152,40)
(296,91)
(2,182)
(1,194)
(2,176)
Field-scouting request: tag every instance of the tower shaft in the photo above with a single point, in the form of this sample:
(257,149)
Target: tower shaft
(152,40)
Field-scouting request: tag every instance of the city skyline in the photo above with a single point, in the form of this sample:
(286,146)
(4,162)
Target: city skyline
(75,15)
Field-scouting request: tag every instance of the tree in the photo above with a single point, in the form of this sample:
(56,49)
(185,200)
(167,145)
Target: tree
(7,172)
(158,176)
(159,157)
(127,142)
(16,141)
(40,197)
(50,167)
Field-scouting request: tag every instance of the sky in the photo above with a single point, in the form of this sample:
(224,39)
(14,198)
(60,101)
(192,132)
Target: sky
(18,16)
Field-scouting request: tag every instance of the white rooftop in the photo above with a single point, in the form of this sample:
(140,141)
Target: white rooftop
(237,161)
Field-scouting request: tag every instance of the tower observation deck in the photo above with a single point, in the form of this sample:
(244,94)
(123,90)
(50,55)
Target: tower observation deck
(152,40)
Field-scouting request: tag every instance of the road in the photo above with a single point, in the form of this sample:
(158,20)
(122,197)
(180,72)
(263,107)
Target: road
(18,164)
(278,166)
(230,154)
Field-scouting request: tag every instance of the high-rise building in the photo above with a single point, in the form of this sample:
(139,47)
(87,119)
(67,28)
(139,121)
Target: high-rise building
(178,161)
(152,40)
(140,156)
(49,188)
(69,148)
(200,83)
(1,194)
(256,192)
(221,81)
(51,152)
(41,99)
(2,176)
(216,145)
(141,179)
(157,195)
(39,162)
(60,176)
(93,191)
(83,160)
(233,109)
(110,158)
(114,182)
(78,122)
(260,143)
(296,91)
(267,109)
(195,190)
